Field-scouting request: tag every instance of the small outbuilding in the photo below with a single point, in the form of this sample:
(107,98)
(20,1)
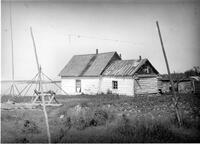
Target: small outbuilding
(108,73)
(182,83)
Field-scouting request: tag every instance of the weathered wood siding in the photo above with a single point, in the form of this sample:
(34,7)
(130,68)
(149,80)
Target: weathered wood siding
(146,85)
(125,85)
(196,86)
(164,86)
(88,85)
(185,87)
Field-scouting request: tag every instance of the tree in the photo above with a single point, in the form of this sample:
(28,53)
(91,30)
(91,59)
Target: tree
(195,71)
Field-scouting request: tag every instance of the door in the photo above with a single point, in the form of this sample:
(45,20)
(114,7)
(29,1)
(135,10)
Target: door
(78,86)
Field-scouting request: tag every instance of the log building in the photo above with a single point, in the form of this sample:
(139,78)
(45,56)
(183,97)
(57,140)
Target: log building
(108,73)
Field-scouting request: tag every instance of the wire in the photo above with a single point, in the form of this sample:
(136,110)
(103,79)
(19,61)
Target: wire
(70,35)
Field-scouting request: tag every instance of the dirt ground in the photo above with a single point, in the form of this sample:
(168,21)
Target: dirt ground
(103,118)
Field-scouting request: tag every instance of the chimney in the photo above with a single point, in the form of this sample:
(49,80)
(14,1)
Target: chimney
(140,58)
(96,51)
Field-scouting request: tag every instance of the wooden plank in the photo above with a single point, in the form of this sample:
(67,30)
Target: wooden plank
(146,85)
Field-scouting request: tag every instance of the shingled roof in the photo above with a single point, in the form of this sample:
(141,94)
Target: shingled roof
(123,67)
(88,65)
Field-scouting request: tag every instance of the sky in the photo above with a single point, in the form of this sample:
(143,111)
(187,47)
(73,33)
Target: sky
(64,28)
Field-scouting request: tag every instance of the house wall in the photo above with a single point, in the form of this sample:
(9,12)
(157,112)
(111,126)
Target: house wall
(196,85)
(185,87)
(88,85)
(125,85)
(164,86)
(146,85)
(68,85)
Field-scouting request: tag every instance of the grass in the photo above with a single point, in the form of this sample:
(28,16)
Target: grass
(106,118)
(140,129)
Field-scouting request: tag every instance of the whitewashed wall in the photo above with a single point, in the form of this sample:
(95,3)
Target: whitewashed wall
(88,85)
(125,85)
(68,85)
(99,85)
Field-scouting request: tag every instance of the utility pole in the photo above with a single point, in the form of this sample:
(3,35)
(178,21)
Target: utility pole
(174,99)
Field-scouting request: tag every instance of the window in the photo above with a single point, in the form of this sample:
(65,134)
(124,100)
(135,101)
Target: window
(114,84)
(78,85)
(147,69)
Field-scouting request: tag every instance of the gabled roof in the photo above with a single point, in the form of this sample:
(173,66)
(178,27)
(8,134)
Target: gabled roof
(88,65)
(124,67)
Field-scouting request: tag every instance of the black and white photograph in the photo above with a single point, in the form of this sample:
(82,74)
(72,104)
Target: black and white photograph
(100,71)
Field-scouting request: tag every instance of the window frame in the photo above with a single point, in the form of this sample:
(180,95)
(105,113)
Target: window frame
(114,84)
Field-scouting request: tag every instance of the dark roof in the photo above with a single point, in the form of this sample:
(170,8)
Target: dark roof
(123,67)
(88,65)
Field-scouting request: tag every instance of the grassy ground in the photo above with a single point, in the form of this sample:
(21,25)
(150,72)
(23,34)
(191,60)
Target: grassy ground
(105,118)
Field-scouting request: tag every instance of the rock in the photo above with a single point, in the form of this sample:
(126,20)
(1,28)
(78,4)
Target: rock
(61,116)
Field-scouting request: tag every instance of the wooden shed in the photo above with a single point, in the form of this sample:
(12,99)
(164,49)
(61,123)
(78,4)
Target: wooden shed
(182,83)
(108,73)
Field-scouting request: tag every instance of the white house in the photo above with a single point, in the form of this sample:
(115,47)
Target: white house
(108,73)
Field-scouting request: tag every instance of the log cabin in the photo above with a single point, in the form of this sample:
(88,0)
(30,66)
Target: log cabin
(107,73)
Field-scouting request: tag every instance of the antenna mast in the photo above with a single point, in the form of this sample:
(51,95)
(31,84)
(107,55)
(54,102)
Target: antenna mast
(12,43)
(13,85)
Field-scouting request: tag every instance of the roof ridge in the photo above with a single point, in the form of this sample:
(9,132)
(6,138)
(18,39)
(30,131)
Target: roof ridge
(131,59)
(95,53)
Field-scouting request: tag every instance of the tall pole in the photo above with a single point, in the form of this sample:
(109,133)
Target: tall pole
(41,88)
(36,57)
(12,43)
(174,99)
(13,86)
(34,45)
(44,105)
(11,32)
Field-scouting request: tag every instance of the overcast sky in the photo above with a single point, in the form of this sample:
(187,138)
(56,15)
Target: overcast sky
(65,28)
